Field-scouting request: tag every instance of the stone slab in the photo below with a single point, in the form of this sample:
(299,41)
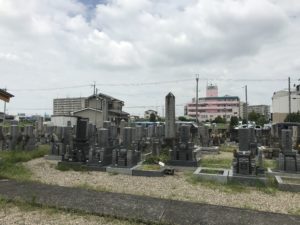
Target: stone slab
(284,185)
(148,173)
(246,179)
(220,178)
(53,157)
(271,172)
(119,170)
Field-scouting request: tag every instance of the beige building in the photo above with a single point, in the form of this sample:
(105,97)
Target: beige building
(95,116)
(280,104)
(65,106)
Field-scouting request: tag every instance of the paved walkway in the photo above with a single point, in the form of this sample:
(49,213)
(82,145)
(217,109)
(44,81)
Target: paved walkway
(142,208)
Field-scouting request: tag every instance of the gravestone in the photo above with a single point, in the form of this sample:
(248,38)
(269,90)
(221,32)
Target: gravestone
(288,160)
(244,162)
(170,116)
(183,152)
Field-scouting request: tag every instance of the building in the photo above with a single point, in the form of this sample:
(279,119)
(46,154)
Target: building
(63,121)
(280,104)
(98,108)
(260,109)
(5,96)
(213,106)
(148,113)
(65,106)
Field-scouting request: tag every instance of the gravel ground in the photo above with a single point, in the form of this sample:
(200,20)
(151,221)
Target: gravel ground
(12,214)
(171,187)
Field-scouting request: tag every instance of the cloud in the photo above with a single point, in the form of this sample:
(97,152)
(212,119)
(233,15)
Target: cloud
(47,43)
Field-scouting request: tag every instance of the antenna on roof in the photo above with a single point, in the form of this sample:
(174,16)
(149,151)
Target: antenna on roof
(94,86)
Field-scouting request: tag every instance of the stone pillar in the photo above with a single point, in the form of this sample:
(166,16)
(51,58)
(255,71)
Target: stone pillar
(170,116)
(123,124)
(139,133)
(28,130)
(105,110)
(286,141)
(127,137)
(14,132)
(103,137)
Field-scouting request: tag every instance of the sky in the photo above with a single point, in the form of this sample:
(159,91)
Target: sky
(140,50)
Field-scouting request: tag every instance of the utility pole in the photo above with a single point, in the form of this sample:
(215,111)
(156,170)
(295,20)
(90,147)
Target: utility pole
(246,96)
(4,110)
(197,99)
(290,108)
(96,109)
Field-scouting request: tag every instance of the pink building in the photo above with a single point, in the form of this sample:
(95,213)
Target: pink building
(212,106)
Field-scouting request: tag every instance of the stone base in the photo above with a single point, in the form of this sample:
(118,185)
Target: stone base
(137,171)
(91,167)
(120,170)
(246,179)
(271,172)
(53,157)
(182,163)
(214,150)
(285,184)
(221,176)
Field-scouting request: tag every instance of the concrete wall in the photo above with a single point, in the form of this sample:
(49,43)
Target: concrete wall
(279,117)
(92,116)
(63,121)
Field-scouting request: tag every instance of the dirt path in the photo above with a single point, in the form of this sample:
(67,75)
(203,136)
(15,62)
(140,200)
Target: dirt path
(137,207)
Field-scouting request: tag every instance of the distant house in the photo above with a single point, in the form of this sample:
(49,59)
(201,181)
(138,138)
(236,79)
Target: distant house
(97,108)
(148,113)
(5,96)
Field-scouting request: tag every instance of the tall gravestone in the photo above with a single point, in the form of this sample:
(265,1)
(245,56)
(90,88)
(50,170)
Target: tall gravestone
(170,130)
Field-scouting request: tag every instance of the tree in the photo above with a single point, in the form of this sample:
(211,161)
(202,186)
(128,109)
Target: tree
(257,118)
(182,118)
(219,119)
(253,116)
(152,117)
(262,120)
(234,121)
(293,117)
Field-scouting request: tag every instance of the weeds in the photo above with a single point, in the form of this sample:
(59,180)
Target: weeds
(11,166)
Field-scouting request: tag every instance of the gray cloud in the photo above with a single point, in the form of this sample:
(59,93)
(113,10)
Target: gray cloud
(63,43)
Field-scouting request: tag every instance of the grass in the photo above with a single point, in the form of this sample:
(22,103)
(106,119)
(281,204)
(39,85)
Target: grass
(65,167)
(227,148)
(7,205)
(11,166)
(215,161)
(270,163)
(228,188)
(150,167)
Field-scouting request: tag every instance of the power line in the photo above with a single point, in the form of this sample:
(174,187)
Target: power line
(144,83)
(148,83)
